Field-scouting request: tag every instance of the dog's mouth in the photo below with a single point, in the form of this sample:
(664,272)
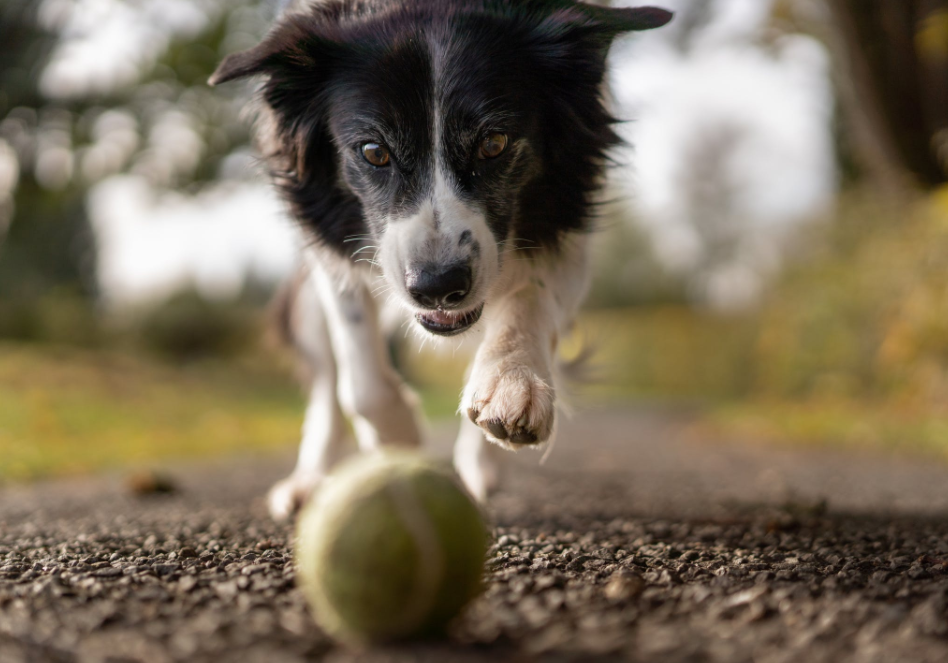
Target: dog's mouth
(449,323)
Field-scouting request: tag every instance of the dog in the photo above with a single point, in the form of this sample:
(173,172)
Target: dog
(443,155)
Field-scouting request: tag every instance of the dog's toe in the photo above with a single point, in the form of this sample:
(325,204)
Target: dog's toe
(497,429)
(523,437)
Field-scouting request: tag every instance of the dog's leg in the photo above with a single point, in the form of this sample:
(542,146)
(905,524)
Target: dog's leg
(476,461)
(324,426)
(370,391)
(511,393)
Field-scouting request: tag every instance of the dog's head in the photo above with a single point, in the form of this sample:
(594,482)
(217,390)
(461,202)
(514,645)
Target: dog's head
(433,137)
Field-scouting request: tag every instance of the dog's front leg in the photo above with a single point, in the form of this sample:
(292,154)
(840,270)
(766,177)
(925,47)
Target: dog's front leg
(510,394)
(370,391)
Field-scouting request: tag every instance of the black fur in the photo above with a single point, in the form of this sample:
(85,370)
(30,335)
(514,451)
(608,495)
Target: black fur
(354,71)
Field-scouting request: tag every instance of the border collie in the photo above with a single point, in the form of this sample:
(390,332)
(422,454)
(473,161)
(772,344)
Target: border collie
(443,155)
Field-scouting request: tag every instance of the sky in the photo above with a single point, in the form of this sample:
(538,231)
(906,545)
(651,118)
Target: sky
(154,243)
(770,109)
(776,105)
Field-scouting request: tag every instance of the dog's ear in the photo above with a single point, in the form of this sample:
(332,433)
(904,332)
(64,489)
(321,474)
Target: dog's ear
(291,46)
(617,20)
(240,65)
(630,19)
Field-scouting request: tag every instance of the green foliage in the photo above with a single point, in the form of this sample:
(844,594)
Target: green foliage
(626,271)
(187,327)
(672,352)
(49,245)
(667,353)
(864,318)
(61,318)
(25,49)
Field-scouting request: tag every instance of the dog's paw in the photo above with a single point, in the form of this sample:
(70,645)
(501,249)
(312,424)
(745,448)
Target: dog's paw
(288,496)
(511,403)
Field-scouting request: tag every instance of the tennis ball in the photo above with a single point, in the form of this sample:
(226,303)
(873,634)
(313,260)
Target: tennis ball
(392,547)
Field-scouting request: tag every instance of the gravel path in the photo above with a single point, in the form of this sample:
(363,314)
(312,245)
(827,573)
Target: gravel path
(638,541)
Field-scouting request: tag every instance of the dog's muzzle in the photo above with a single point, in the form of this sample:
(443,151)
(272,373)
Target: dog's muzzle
(443,291)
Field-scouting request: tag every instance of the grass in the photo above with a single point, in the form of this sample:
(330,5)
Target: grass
(857,426)
(69,411)
(66,411)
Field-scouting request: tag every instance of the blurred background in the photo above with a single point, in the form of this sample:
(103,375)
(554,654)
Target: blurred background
(775,255)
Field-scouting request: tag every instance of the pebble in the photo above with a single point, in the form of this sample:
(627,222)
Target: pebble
(110,572)
(624,585)
(576,576)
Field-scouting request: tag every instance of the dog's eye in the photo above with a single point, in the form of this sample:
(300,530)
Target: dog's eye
(493,146)
(377,155)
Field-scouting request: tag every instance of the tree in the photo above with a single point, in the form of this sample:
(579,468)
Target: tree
(897,60)
(65,142)
(49,243)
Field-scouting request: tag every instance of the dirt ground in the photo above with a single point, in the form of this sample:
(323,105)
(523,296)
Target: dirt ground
(639,540)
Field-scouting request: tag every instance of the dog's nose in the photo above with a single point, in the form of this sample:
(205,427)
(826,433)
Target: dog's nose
(435,287)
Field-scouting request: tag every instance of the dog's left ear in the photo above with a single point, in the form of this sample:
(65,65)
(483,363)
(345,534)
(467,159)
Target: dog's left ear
(616,20)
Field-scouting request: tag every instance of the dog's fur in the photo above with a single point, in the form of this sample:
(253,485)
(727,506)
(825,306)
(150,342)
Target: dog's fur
(486,122)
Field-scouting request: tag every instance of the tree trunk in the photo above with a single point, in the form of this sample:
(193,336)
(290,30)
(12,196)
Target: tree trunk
(897,53)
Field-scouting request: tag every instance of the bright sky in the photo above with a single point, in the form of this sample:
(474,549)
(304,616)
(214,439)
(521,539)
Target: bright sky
(780,103)
(152,243)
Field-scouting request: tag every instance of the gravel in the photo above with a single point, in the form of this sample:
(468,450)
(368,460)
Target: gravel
(649,544)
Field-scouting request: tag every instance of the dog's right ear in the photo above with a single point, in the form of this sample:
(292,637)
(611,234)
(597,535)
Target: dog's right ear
(241,65)
(293,45)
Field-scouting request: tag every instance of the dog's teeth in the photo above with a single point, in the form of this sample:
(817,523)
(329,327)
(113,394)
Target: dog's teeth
(523,421)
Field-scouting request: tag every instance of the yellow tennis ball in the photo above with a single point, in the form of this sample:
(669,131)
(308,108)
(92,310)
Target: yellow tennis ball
(392,547)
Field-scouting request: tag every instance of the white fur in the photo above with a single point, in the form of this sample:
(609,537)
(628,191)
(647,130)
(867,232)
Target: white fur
(418,240)
(476,461)
(514,371)
(512,378)
(338,324)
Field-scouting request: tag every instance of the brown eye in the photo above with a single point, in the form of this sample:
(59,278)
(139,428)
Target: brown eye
(377,155)
(493,146)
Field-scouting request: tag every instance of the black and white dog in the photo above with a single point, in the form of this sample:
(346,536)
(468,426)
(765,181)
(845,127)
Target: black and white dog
(448,151)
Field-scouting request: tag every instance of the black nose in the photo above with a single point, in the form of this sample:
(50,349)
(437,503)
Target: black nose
(433,286)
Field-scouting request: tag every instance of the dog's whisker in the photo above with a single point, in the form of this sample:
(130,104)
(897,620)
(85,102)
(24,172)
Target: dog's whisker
(365,248)
(356,238)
